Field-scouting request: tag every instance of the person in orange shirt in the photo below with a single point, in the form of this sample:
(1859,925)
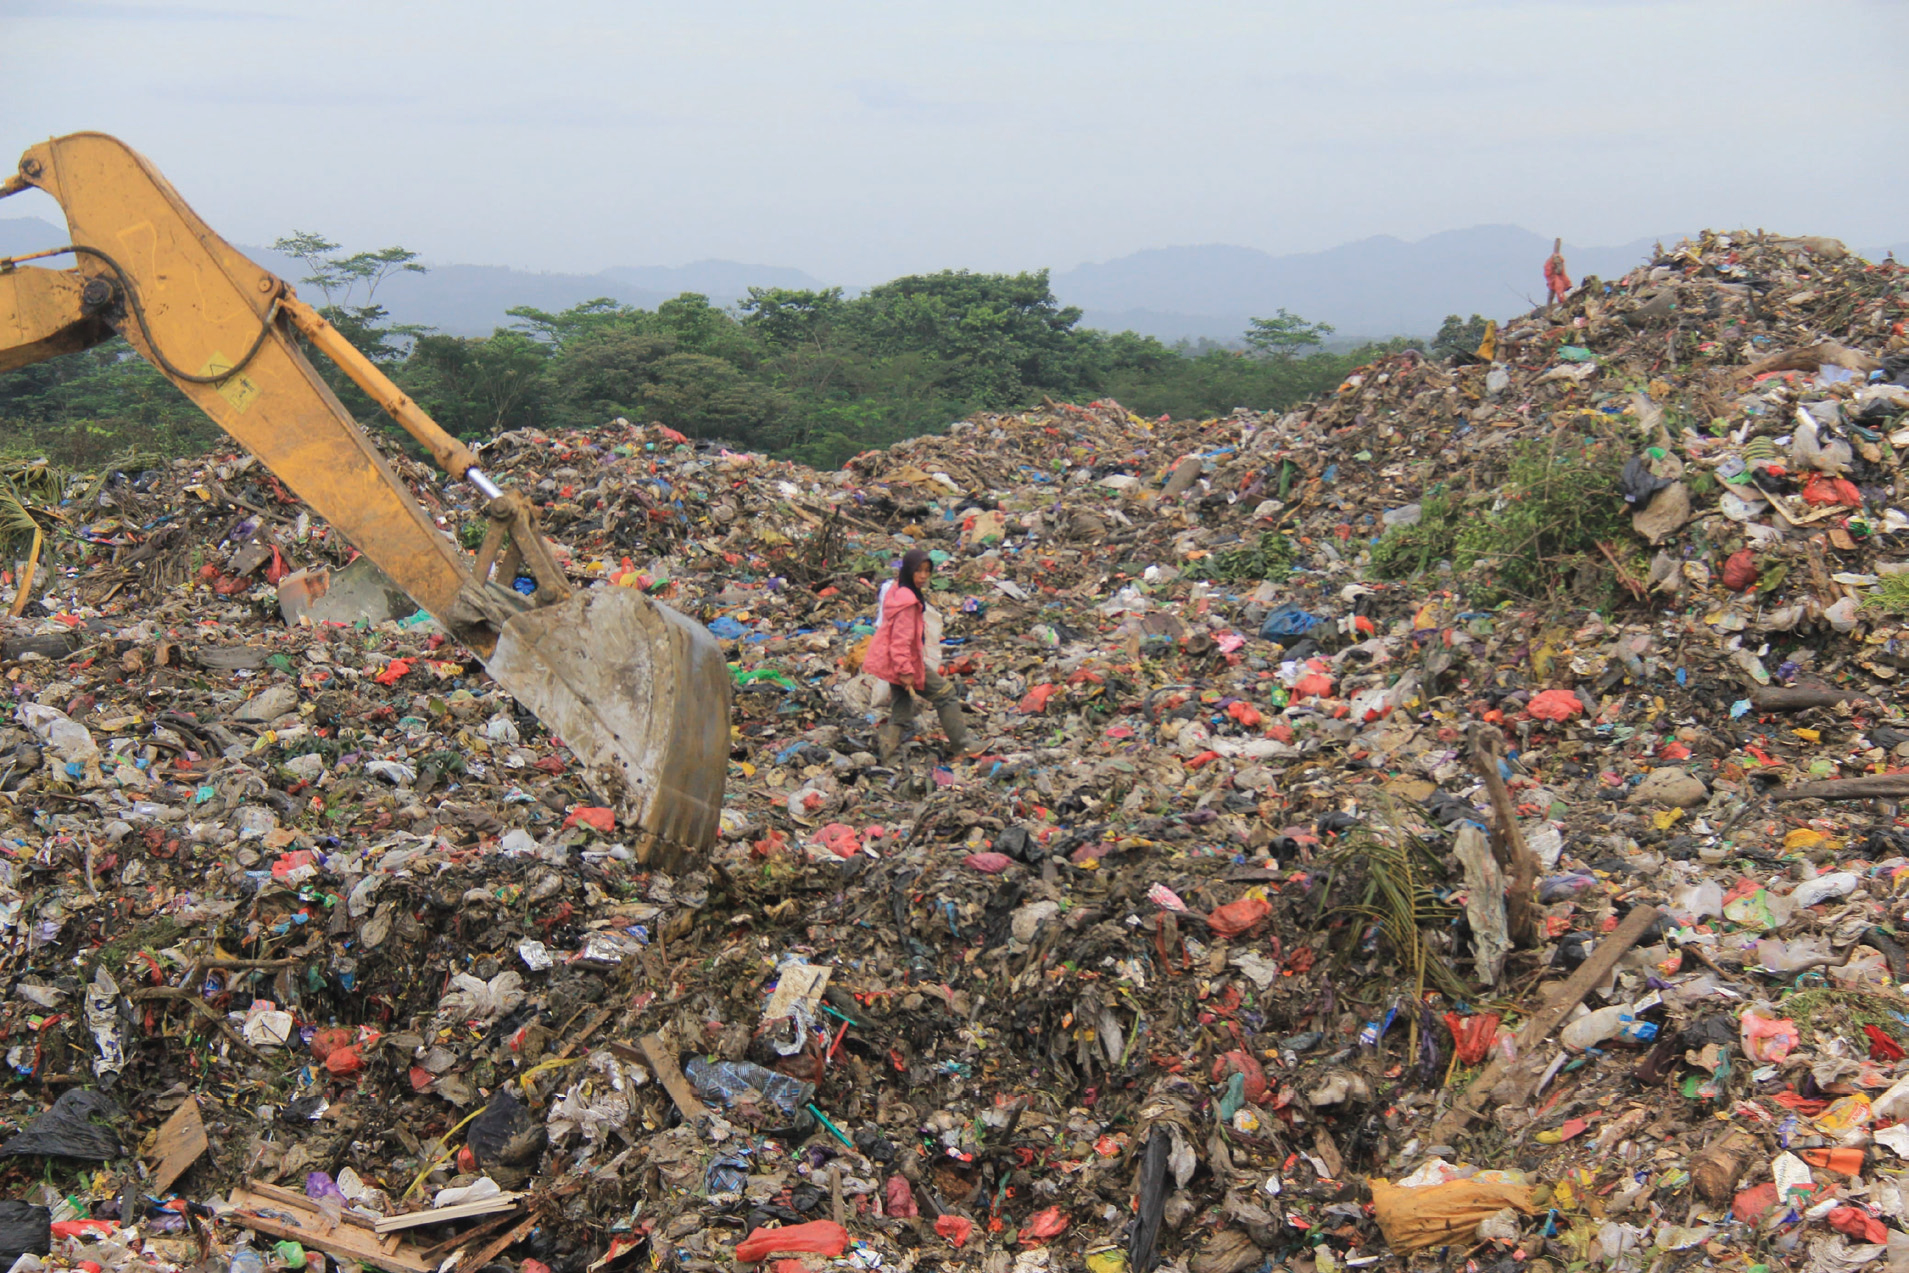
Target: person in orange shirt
(1555,279)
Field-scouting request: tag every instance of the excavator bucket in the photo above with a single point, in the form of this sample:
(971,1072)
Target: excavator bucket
(635,688)
(630,686)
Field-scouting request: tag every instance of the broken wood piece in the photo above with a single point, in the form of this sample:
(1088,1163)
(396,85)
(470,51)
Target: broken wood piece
(1867,787)
(1796,698)
(662,1059)
(1592,972)
(497,1245)
(467,1237)
(298,1219)
(180,1141)
(1520,863)
(583,1036)
(441,1215)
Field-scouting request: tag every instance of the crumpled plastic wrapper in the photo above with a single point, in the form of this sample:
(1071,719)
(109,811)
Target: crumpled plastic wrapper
(601,1102)
(473,999)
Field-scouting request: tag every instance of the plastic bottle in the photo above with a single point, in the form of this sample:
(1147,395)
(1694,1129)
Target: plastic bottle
(1594,1028)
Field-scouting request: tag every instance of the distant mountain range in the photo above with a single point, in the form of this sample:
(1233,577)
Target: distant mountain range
(473,300)
(1376,287)
(1373,288)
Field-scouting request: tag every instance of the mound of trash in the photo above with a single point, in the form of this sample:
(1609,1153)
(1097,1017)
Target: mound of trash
(1454,820)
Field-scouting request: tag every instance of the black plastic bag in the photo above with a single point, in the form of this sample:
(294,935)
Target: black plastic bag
(505,1132)
(1151,1199)
(1639,484)
(1016,843)
(24,1228)
(68,1130)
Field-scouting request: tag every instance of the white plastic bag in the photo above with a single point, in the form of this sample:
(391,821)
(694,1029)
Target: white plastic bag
(471,999)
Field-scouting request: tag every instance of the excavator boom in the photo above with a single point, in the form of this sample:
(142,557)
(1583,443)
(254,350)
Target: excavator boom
(626,683)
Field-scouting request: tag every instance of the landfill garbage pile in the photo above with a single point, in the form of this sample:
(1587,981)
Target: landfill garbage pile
(1453,821)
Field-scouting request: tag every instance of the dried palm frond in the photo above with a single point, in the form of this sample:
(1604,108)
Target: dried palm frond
(1391,878)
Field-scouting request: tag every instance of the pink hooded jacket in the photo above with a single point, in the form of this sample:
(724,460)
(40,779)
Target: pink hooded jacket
(894,652)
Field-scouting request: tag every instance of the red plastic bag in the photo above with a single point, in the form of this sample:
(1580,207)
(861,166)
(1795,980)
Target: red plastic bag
(598,819)
(1035,701)
(900,1198)
(1823,491)
(329,1040)
(1881,1046)
(1755,1202)
(1473,1036)
(287,863)
(1043,1224)
(1858,1223)
(1245,713)
(1313,685)
(1245,1063)
(1555,705)
(1235,918)
(988,863)
(838,838)
(395,671)
(817,1237)
(954,1228)
(1740,571)
(344,1061)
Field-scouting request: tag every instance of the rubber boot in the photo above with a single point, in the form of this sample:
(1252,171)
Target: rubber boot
(960,743)
(888,742)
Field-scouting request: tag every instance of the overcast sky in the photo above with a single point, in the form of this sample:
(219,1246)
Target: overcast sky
(860,141)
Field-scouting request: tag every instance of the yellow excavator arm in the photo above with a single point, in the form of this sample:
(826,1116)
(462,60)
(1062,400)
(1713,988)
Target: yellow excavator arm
(629,685)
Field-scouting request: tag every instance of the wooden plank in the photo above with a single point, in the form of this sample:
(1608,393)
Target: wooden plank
(1867,787)
(1796,698)
(181,1140)
(307,1228)
(1546,1020)
(441,1215)
(302,1203)
(663,1060)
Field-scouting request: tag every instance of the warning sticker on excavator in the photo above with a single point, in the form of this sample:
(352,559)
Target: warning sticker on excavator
(238,390)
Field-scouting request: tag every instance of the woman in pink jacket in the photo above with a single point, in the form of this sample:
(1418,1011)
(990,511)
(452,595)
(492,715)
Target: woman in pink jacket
(895,654)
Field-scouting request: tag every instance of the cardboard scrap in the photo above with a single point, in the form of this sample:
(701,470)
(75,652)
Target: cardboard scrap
(662,1059)
(180,1141)
(800,986)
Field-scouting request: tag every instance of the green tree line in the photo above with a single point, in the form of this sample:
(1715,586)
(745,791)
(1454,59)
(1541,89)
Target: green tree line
(815,376)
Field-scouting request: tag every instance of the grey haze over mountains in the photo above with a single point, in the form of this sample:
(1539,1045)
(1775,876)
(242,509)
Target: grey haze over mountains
(1376,287)
(474,300)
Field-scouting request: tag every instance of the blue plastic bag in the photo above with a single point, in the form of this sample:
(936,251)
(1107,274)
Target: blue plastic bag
(1288,621)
